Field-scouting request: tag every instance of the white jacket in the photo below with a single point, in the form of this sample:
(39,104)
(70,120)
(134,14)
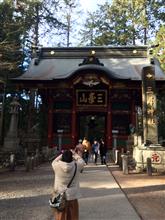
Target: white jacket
(64,173)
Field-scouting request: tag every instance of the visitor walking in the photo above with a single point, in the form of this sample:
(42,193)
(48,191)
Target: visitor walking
(87,148)
(79,149)
(103,151)
(95,150)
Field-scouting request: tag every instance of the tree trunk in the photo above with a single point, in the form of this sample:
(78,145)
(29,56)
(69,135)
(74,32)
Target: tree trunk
(145,36)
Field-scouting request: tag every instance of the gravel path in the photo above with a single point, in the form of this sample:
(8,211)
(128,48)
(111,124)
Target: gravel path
(24,194)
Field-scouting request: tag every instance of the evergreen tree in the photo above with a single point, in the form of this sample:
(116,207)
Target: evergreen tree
(10,40)
(23,25)
(40,20)
(69,14)
(126,22)
(159,49)
(89,32)
(111,24)
(161,114)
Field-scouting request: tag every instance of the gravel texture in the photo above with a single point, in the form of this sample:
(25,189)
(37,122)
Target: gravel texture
(24,194)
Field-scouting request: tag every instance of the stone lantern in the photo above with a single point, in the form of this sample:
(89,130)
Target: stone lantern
(11,142)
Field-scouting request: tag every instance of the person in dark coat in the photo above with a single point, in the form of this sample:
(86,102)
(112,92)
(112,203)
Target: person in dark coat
(103,151)
(95,150)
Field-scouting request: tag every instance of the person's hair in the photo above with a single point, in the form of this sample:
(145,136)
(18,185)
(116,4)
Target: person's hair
(67,156)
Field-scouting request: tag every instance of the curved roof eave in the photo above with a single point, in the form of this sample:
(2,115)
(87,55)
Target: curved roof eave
(109,73)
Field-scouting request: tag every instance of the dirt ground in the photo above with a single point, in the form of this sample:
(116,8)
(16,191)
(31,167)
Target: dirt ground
(146,193)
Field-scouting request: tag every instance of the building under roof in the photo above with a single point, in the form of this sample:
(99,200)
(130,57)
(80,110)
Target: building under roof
(117,62)
(90,91)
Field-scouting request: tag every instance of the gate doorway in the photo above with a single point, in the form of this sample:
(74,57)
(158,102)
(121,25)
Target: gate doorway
(92,126)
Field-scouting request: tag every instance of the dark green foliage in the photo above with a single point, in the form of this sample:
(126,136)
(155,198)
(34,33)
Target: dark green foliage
(123,22)
(161,114)
(10,42)
(159,49)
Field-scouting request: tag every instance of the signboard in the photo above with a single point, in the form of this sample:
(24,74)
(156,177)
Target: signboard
(151,108)
(91,98)
(150,97)
(156,158)
(150,130)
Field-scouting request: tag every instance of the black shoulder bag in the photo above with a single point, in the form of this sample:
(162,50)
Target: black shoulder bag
(59,202)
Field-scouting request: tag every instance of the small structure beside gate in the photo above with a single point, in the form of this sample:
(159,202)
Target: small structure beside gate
(147,153)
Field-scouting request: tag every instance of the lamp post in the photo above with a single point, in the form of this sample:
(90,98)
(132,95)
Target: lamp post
(115,151)
(11,141)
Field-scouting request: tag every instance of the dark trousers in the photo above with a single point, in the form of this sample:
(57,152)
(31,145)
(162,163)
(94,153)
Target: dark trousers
(103,159)
(85,156)
(96,156)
